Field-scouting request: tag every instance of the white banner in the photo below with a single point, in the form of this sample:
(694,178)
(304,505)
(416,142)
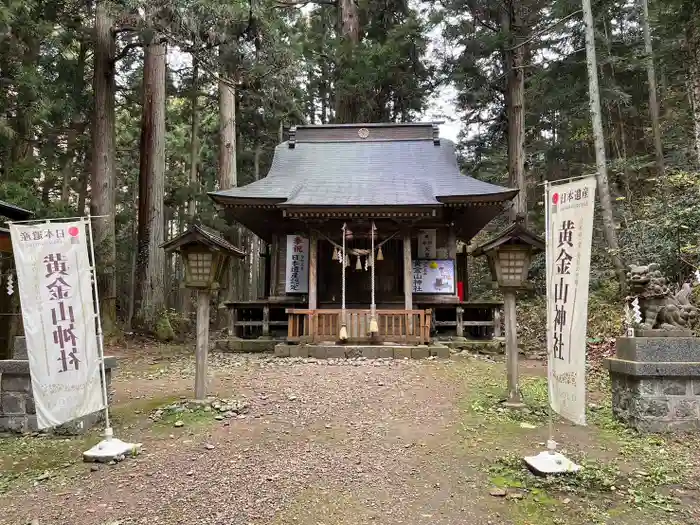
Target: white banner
(297,275)
(56,294)
(570,231)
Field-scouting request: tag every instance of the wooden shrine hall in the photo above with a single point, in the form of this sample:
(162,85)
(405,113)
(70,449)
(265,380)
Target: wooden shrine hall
(362,223)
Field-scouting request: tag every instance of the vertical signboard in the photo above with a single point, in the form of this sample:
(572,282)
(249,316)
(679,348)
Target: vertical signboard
(54,278)
(569,235)
(297,274)
(427,244)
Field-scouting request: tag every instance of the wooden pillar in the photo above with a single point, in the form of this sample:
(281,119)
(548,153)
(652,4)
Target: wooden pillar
(267,283)
(266,320)
(513,399)
(313,267)
(496,322)
(452,253)
(274,264)
(202,350)
(407,272)
(460,321)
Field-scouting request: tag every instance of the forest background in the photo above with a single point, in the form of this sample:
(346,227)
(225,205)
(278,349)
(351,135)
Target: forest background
(132,111)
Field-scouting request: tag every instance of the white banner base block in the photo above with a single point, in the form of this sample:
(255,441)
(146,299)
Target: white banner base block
(110,449)
(548,463)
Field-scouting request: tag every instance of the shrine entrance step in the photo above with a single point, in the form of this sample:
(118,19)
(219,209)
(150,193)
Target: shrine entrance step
(383,351)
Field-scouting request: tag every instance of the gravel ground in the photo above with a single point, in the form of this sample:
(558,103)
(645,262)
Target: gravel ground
(324,442)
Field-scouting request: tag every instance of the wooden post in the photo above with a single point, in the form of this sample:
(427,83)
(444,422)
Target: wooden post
(407,278)
(274,264)
(497,322)
(313,265)
(513,399)
(234,322)
(266,320)
(452,253)
(407,273)
(200,379)
(460,321)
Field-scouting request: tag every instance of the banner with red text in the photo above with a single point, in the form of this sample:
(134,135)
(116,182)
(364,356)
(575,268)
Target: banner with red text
(570,230)
(56,293)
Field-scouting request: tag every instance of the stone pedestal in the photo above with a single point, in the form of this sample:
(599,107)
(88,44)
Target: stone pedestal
(17,409)
(656,382)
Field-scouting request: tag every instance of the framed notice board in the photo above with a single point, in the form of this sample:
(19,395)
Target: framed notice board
(434,276)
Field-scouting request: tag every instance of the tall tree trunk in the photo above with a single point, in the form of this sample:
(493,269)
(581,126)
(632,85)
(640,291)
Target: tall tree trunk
(693,47)
(653,103)
(599,141)
(187,295)
(515,107)
(76,127)
(150,298)
(255,243)
(227,177)
(346,98)
(194,138)
(102,202)
(84,182)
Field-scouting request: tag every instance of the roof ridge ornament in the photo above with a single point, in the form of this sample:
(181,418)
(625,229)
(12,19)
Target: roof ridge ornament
(292,137)
(436,134)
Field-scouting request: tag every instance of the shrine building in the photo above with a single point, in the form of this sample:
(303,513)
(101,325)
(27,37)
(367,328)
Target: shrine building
(366,226)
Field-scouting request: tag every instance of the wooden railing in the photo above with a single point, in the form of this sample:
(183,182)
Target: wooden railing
(395,326)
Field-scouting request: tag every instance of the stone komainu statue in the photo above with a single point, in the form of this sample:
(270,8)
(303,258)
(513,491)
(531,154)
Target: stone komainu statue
(660,308)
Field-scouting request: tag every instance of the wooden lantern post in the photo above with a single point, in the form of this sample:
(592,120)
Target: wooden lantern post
(509,255)
(205,255)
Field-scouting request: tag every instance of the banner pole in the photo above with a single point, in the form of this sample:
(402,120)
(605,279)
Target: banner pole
(110,448)
(109,433)
(551,444)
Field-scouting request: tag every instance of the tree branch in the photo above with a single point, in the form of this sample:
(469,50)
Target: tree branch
(125,51)
(302,3)
(545,30)
(475,12)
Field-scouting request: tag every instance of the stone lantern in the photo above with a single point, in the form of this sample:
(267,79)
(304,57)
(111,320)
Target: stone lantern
(509,254)
(205,254)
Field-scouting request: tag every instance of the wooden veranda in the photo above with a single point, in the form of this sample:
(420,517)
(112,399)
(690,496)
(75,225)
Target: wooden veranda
(395,326)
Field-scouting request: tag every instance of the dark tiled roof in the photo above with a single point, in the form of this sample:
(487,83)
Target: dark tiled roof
(13,212)
(515,232)
(365,173)
(202,234)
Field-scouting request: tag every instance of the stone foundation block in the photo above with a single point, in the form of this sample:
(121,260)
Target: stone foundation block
(282,350)
(16,382)
(371,352)
(655,382)
(20,348)
(402,353)
(495,346)
(440,351)
(13,403)
(420,352)
(386,352)
(299,351)
(252,346)
(335,352)
(319,352)
(352,352)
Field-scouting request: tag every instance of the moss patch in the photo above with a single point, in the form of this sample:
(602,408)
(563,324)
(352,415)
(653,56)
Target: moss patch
(28,459)
(627,477)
